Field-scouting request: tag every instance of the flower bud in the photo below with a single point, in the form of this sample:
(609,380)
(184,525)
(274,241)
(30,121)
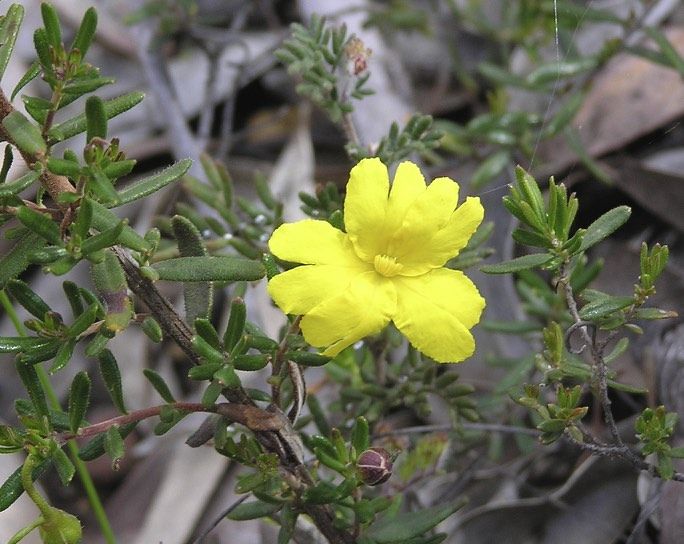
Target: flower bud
(374,466)
(60,527)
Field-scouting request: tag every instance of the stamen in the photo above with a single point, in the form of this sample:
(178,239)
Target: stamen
(387,266)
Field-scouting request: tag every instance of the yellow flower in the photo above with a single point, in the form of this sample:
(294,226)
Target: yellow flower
(388,266)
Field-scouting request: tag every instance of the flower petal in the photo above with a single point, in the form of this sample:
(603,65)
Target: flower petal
(363,309)
(435,311)
(300,289)
(407,186)
(365,206)
(448,241)
(312,242)
(428,213)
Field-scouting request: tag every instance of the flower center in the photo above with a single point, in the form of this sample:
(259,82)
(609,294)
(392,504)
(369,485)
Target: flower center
(387,266)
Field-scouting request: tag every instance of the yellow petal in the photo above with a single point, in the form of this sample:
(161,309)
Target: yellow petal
(311,242)
(363,309)
(428,213)
(435,311)
(407,186)
(365,206)
(448,241)
(298,290)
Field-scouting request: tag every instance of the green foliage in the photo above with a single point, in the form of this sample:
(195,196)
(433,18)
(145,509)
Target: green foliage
(328,63)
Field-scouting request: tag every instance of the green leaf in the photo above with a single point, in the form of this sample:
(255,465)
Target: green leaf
(29,378)
(408,525)
(79,398)
(64,353)
(511,327)
(65,468)
(96,447)
(210,268)
(251,362)
(25,296)
(17,344)
(9,29)
(16,260)
(78,124)
(24,134)
(86,32)
(159,384)
(236,324)
(111,376)
(197,295)
(17,186)
(548,73)
(517,264)
(104,219)
(604,306)
(655,313)
(12,488)
(604,226)
(85,320)
(253,510)
(491,167)
(114,445)
(51,24)
(96,118)
(668,50)
(32,73)
(307,358)
(104,239)
(152,184)
(41,224)
(360,437)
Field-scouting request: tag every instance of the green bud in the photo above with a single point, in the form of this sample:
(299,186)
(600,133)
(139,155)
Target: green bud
(60,527)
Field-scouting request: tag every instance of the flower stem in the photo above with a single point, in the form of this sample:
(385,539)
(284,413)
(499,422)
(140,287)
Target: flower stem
(23,532)
(81,469)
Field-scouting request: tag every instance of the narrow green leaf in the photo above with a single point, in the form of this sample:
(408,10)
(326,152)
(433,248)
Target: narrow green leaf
(9,29)
(85,320)
(149,185)
(553,71)
(105,239)
(96,118)
(604,306)
(114,446)
(360,437)
(400,528)
(32,73)
(111,376)
(79,398)
(307,358)
(41,224)
(251,362)
(40,353)
(236,324)
(17,344)
(51,24)
(16,260)
(29,377)
(197,295)
(78,124)
(104,219)
(605,225)
(30,300)
(655,313)
(24,134)
(253,510)
(95,448)
(12,488)
(17,186)
(491,167)
(86,32)
(511,327)
(517,264)
(63,356)
(65,468)
(667,49)
(210,268)
(159,384)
